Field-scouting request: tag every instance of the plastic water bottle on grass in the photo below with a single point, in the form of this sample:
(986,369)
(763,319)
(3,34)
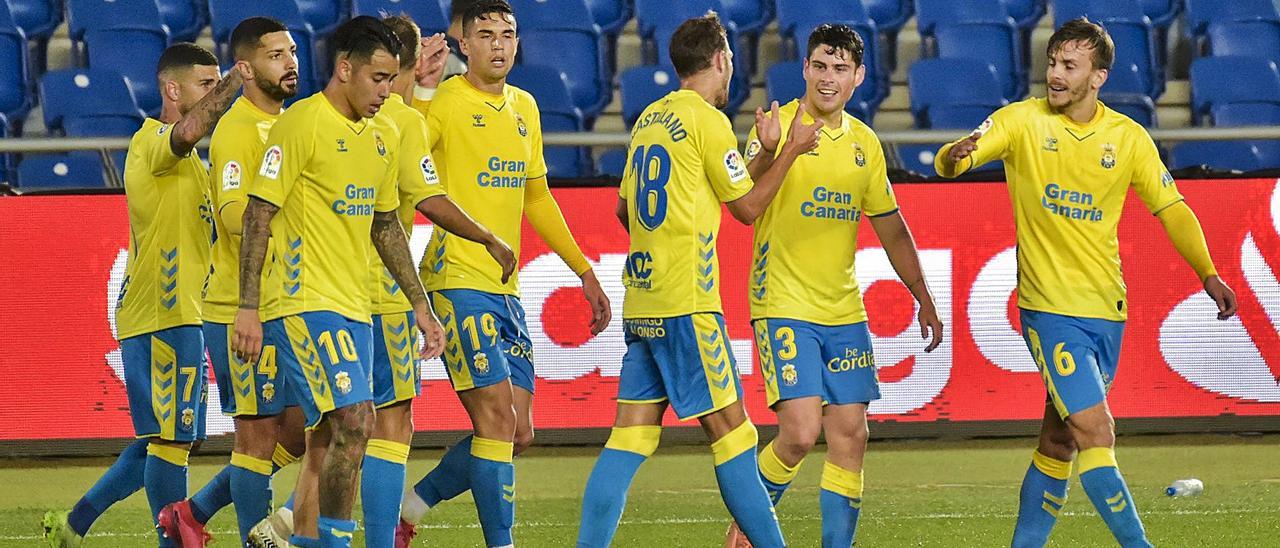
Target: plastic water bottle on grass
(1185,488)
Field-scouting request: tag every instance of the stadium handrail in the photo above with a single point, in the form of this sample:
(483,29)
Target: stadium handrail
(619,139)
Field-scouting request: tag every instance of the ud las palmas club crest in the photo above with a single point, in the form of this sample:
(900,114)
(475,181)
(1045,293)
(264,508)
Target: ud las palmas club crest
(858,157)
(789,375)
(524,131)
(1108,156)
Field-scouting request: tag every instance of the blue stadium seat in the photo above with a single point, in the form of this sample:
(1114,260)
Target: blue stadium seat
(975,29)
(795,13)
(126,36)
(430,16)
(1161,12)
(1237,155)
(6,175)
(611,15)
(1202,12)
(1247,114)
(953,93)
(323,15)
(750,16)
(185,18)
(656,21)
(613,163)
(1136,106)
(36,18)
(1025,13)
(560,33)
(224,15)
(78,94)
(1129,28)
(1260,38)
(641,86)
(563,161)
(889,15)
(14,71)
(550,89)
(784,81)
(1217,81)
(54,171)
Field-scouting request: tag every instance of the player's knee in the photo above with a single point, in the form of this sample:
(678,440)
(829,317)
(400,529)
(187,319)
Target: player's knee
(797,441)
(498,417)
(1058,445)
(352,425)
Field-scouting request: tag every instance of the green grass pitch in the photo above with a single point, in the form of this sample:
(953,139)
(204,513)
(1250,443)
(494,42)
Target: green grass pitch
(919,493)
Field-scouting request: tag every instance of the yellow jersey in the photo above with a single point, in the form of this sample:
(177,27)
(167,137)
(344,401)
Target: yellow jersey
(684,163)
(806,241)
(170,228)
(236,149)
(488,149)
(1068,182)
(418,181)
(328,175)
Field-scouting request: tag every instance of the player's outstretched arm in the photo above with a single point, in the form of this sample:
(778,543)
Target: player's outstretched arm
(199,121)
(547,220)
(445,213)
(901,248)
(429,70)
(1188,238)
(956,158)
(247,341)
(393,246)
(801,139)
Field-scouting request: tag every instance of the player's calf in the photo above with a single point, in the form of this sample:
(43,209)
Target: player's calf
(733,444)
(383,474)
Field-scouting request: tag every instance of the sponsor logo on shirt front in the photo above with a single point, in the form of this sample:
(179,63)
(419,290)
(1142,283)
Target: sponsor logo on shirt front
(1071,204)
(825,203)
(638,269)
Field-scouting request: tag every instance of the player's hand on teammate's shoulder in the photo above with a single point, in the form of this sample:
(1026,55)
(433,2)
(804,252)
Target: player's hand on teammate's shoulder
(930,325)
(505,257)
(432,333)
(964,147)
(769,128)
(601,314)
(431,61)
(247,341)
(1222,295)
(803,137)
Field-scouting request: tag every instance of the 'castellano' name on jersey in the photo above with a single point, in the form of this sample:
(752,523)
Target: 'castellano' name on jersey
(805,243)
(234,154)
(488,149)
(684,163)
(1068,183)
(418,181)
(328,175)
(170,228)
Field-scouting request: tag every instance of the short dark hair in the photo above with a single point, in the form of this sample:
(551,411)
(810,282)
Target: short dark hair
(836,37)
(248,34)
(459,8)
(479,9)
(695,42)
(1094,37)
(410,38)
(359,38)
(183,55)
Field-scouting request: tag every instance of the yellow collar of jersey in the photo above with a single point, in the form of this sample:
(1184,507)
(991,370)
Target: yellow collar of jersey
(486,96)
(254,110)
(1098,113)
(357,127)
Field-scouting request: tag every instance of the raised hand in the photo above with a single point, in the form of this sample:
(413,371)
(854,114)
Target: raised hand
(964,148)
(431,61)
(803,138)
(769,128)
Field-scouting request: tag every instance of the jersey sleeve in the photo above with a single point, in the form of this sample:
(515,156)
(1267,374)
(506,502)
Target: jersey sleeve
(289,147)
(155,149)
(724,167)
(1151,181)
(230,158)
(996,133)
(878,200)
(436,122)
(387,197)
(417,175)
(537,163)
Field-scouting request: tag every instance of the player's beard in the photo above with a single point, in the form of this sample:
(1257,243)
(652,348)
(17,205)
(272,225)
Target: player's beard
(276,90)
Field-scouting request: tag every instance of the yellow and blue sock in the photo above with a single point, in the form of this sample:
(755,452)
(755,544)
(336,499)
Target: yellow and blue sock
(841,502)
(124,478)
(336,533)
(493,485)
(606,492)
(738,476)
(251,491)
(447,480)
(165,479)
(1101,479)
(775,474)
(381,484)
(1044,492)
(214,496)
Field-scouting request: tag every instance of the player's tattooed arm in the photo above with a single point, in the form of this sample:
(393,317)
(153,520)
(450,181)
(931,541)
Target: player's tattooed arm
(247,330)
(199,121)
(393,246)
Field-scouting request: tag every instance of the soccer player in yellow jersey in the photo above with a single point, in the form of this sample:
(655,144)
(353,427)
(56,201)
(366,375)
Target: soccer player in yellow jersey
(1070,161)
(330,171)
(486,138)
(810,324)
(159,310)
(252,393)
(684,164)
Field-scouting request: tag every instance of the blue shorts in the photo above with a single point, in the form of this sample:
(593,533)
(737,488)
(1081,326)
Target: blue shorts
(486,339)
(326,359)
(395,369)
(1076,356)
(164,376)
(685,359)
(245,389)
(802,359)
